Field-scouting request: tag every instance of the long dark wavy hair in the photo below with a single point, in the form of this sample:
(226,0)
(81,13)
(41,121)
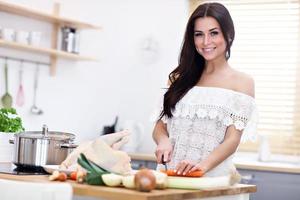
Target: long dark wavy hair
(191,64)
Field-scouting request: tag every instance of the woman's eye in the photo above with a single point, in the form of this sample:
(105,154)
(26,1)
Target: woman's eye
(214,33)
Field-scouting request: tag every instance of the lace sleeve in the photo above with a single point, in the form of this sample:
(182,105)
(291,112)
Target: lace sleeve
(250,131)
(243,114)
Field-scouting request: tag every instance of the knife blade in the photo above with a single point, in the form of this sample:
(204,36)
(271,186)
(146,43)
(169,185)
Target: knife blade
(164,163)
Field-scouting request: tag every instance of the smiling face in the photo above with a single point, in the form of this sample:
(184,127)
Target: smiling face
(208,38)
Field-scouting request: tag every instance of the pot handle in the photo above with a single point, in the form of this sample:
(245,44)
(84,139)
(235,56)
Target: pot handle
(11,141)
(68,146)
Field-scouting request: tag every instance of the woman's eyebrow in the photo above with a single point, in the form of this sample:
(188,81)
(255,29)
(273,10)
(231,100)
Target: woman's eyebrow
(209,30)
(213,29)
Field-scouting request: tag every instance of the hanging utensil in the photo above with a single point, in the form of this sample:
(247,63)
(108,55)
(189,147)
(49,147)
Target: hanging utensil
(20,94)
(6,98)
(34,109)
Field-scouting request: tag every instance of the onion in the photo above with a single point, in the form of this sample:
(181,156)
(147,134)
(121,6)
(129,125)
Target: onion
(144,180)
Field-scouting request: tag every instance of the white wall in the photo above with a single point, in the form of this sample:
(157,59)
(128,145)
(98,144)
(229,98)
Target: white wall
(84,96)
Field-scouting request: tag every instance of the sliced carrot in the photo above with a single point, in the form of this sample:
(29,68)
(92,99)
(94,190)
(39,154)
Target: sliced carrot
(171,172)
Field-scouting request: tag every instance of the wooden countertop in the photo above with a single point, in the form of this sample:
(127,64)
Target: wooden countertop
(250,164)
(114,193)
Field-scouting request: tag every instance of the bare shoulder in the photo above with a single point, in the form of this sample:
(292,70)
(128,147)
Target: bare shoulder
(244,83)
(169,82)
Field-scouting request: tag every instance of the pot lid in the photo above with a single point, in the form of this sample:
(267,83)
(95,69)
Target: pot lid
(51,135)
(45,134)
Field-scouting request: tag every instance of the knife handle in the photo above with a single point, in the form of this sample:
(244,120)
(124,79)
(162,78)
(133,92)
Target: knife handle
(164,163)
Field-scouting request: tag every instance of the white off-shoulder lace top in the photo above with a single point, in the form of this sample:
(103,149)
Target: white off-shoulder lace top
(200,120)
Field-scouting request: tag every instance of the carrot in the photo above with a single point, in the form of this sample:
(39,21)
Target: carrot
(171,172)
(73,176)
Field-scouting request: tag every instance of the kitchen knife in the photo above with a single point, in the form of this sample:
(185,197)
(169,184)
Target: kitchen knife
(164,163)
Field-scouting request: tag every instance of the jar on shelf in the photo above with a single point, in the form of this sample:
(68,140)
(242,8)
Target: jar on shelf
(70,40)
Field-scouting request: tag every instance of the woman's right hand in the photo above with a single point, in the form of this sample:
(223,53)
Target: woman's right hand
(164,151)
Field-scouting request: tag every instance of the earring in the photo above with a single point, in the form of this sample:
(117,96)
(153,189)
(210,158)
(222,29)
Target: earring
(227,55)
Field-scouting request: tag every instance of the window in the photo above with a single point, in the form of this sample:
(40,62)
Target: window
(267,47)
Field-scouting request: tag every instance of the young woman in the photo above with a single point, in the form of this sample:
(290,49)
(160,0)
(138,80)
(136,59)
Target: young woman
(208,105)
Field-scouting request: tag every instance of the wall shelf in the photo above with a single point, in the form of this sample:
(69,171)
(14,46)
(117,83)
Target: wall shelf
(45,51)
(56,22)
(51,18)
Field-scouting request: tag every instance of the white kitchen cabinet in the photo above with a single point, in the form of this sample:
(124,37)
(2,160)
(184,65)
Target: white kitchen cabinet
(272,185)
(34,190)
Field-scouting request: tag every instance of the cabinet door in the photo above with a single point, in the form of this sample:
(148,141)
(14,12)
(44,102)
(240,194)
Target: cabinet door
(151,164)
(137,164)
(272,185)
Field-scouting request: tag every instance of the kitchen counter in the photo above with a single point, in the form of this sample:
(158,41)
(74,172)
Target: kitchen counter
(242,161)
(240,191)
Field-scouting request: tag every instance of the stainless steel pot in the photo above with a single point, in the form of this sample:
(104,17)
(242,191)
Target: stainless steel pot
(38,148)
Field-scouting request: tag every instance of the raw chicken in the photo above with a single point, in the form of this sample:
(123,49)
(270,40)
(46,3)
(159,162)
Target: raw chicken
(104,152)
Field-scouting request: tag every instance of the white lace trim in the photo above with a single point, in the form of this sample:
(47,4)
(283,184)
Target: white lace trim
(230,107)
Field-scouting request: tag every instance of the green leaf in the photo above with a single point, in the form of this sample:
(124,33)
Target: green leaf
(93,165)
(84,164)
(94,172)
(83,157)
(96,167)
(94,179)
(10,122)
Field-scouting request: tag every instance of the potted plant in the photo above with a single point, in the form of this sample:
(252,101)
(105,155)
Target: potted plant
(10,124)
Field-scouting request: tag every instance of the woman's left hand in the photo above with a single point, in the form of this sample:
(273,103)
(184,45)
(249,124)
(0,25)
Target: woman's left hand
(185,166)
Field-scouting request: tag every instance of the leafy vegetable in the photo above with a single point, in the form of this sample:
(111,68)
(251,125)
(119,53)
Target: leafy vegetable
(94,179)
(10,121)
(94,172)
